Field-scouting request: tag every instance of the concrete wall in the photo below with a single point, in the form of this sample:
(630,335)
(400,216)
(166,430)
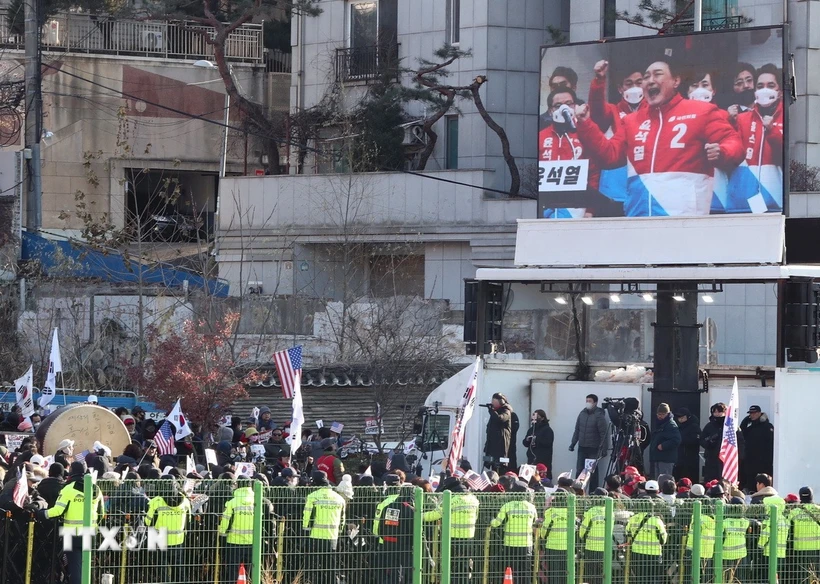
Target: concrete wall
(97,133)
(273,227)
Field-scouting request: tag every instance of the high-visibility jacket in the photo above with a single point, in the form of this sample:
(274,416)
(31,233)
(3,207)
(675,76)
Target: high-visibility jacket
(161,515)
(805,521)
(592,528)
(782,527)
(237,519)
(70,505)
(463,515)
(554,528)
(707,536)
(648,537)
(517,517)
(380,511)
(324,514)
(734,538)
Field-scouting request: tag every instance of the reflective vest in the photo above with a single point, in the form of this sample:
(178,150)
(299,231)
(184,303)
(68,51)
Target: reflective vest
(324,514)
(161,515)
(782,527)
(517,517)
(647,536)
(806,522)
(592,528)
(707,536)
(463,515)
(554,528)
(380,511)
(71,502)
(734,538)
(237,519)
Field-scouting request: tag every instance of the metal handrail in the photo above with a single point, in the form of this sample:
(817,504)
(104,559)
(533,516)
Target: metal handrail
(366,63)
(102,34)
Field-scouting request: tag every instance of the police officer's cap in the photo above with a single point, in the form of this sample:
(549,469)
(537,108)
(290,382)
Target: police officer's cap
(77,469)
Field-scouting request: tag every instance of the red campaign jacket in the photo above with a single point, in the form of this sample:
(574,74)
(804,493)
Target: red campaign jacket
(605,114)
(555,146)
(325,463)
(668,173)
(759,148)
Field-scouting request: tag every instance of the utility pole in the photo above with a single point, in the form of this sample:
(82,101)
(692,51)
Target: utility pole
(34,116)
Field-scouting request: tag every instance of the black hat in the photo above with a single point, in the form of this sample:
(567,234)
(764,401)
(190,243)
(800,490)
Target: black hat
(806,494)
(319,478)
(392,480)
(77,469)
(680,412)
(754,409)
(565,482)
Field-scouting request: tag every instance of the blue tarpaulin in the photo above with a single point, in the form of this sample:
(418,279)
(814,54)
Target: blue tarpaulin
(77,260)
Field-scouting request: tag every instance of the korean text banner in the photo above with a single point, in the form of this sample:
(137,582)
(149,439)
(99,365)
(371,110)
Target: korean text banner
(663,126)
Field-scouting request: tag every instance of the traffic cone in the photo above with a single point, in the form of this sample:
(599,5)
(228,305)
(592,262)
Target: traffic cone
(508,579)
(242,578)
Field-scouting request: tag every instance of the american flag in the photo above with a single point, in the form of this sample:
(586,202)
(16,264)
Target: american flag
(466,412)
(478,482)
(164,439)
(289,367)
(728,447)
(389,462)
(20,494)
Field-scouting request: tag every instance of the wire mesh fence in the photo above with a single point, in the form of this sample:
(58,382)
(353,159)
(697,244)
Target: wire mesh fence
(186,531)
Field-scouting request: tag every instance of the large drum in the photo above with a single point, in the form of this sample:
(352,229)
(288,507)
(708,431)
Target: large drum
(85,424)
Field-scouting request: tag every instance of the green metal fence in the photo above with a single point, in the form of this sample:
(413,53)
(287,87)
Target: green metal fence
(399,535)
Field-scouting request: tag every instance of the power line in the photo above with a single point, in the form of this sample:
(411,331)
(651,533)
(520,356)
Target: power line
(262,135)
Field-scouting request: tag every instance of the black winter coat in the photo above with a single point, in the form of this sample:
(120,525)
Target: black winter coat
(689,437)
(540,449)
(499,433)
(667,436)
(759,439)
(711,438)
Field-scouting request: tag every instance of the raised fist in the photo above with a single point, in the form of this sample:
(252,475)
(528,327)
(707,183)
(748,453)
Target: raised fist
(601,67)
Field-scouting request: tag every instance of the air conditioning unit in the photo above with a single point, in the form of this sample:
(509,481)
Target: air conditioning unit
(414,135)
(151,40)
(51,33)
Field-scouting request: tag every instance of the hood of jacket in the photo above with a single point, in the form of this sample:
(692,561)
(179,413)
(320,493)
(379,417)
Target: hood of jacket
(765,492)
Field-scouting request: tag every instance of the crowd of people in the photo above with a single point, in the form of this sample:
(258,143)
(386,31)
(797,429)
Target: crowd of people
(373,501)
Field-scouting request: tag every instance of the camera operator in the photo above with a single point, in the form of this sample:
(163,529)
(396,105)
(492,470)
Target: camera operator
(590,436)
(499,434)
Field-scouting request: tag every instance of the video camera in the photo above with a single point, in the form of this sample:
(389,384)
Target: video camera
(623,411)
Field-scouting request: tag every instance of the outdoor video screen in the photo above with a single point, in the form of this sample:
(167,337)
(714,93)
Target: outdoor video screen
(663,126)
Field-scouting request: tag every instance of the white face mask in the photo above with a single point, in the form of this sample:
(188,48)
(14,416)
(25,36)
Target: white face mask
(765,97)
(701,94)
(590,405)
(562,113)
(633,95)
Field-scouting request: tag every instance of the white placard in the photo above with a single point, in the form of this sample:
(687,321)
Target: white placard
(562,175)
(337,427)
(210,456)
(13,441)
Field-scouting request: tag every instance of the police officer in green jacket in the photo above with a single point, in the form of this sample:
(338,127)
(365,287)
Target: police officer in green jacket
(592,538)
(70,506)
(236,526)
(646,535)
(323,518)
(170,510)
(805,527)
(463,518)
(518,517)
(735,533)
(553,533)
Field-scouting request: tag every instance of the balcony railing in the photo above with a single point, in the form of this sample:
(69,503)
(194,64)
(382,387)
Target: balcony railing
(723,23)
(85,33)
(367,63)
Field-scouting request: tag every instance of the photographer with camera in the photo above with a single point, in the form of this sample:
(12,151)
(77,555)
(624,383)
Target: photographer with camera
(499,434)
(590,436)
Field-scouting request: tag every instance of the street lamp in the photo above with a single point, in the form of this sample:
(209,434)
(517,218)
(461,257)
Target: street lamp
(208,65)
